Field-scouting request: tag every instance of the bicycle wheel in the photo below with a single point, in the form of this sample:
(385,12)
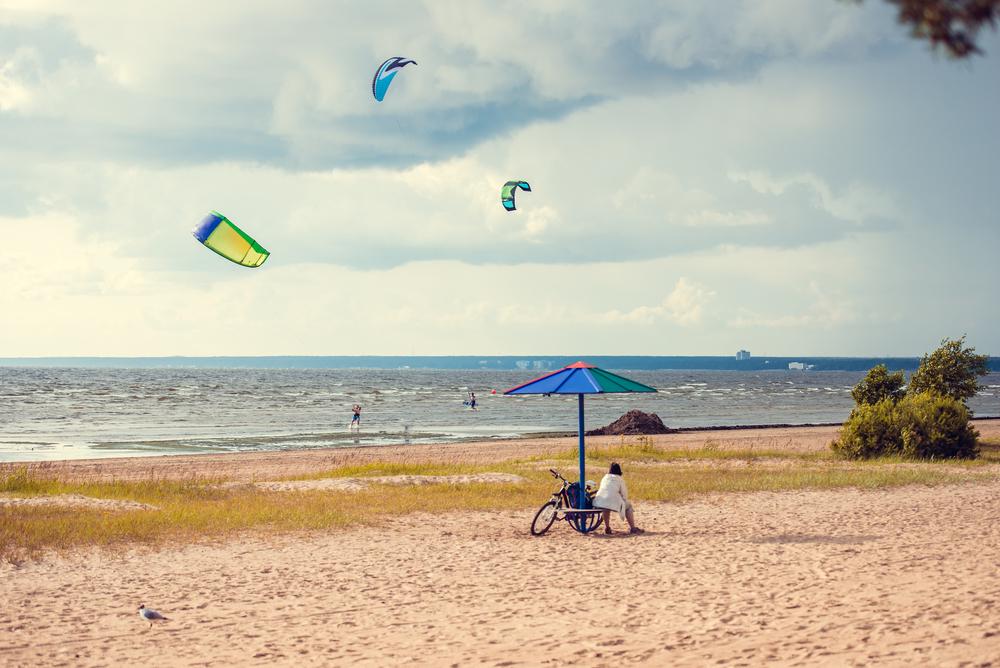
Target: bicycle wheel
(584,522)
(544,518)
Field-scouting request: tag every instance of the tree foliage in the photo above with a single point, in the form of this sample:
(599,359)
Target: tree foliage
(952,371)
(871,431)
(879,384)
(928,421)
(919,426)
(952,25)
(935,427)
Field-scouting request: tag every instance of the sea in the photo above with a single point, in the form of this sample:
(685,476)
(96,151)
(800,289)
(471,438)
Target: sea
(58,413)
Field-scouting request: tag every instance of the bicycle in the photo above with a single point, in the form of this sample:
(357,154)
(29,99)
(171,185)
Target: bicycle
(564,502)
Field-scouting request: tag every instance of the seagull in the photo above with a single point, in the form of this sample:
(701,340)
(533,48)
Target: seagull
(151,616)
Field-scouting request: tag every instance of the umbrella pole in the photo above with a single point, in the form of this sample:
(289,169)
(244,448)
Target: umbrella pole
(583,472)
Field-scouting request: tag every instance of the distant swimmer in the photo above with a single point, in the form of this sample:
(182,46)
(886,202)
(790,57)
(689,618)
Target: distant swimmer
(356,420)
(472,400)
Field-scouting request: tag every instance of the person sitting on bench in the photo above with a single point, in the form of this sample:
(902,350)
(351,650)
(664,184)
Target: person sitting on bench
(612,495)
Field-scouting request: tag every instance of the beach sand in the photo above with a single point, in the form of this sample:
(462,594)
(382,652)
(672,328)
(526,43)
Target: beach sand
(849,577)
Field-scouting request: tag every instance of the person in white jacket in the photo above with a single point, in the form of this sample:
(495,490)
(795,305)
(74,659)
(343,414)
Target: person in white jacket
(613,495)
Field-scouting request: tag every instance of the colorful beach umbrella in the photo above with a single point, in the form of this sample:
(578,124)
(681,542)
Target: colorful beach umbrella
(580,378)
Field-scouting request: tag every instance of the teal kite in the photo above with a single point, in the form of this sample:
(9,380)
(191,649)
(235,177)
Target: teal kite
(507,193)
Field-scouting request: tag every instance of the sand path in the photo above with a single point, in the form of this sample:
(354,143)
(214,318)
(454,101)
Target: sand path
(73,501)
(888,577)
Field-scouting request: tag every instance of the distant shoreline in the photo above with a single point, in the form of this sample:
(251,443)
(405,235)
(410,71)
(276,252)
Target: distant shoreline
(519,363)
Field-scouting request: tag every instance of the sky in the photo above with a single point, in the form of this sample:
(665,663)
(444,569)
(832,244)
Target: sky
(790,177)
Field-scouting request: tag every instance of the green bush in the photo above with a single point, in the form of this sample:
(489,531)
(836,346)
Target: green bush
(952,370)
(871,431)
(879,384)
(936,427)
(919,426)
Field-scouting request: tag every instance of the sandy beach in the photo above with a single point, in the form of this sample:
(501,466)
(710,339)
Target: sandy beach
(779,578)
(249,466)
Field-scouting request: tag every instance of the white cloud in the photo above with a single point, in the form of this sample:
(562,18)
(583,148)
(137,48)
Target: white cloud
(711,218)
(298,73)
(684,305)
(756,300)
(44,258)
(721,36)
(857,204)
(15,93)
(825,313)
(657,192)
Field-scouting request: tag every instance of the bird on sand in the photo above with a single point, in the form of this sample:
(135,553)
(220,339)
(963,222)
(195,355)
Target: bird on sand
(150,615)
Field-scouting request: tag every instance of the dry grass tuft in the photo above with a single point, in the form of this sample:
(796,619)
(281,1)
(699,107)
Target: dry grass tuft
(380,469)
(989,451)
(643,449)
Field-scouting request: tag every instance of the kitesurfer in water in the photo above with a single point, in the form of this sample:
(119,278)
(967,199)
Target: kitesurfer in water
(356,420)
(472,400)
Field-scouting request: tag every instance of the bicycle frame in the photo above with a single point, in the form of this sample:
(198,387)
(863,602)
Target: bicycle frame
(564,506)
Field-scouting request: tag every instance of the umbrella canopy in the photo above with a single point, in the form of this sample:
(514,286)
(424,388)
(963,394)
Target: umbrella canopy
(580,378)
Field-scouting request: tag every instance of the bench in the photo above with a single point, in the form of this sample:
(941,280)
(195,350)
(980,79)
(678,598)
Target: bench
(583,520)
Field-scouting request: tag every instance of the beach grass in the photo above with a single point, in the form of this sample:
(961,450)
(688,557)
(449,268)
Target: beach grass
(198,509)
(989,451)
(642,448)
(379,469)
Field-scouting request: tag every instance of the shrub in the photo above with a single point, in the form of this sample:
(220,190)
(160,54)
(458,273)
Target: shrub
(871,431)
(919,426)
(936,427)
(879,384)
(952,371)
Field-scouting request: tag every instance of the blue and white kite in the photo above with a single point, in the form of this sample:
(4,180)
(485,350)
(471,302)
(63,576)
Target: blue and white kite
(386,73)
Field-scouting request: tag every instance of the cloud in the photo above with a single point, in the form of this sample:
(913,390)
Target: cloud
(657,190)
(711,218)
(720,37)
(857,204)
(292,81)
(86,297)
(695,168)
(14,91)
(684,306)
(825,310)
